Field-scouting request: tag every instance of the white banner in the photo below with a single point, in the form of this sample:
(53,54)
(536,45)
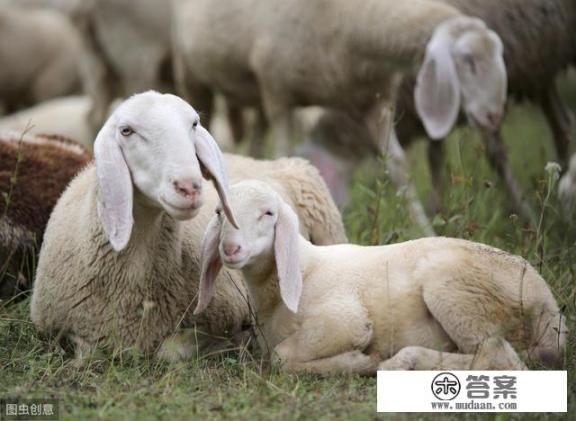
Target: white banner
(472,391)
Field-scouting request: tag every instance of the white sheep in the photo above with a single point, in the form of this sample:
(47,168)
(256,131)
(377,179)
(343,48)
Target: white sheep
(344,55)
(40,51)
(426,304)
(567,192)
(119,266)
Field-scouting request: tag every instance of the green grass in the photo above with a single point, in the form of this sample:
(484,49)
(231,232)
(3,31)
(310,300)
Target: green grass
(227,387)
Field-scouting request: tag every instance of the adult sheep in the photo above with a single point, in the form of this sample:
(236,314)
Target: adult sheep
(119,266)
(344,55)
(34,171)
(539,44)
(40,52)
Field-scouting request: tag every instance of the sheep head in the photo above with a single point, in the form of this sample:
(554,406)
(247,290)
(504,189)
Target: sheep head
(154,143)
(268,234)
(463,66)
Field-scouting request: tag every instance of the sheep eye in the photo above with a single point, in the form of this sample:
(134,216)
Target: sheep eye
(219,212)
(195,124)
(126,131)
(269,213)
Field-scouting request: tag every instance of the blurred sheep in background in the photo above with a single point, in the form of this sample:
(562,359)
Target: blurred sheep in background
(40,52)
(539,44)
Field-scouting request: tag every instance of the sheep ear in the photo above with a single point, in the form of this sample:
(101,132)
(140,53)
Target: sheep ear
(287,259)
(437,93)
(209,155)
(115,189)
(210,265)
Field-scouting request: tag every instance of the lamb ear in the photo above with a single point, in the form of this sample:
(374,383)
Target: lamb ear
(437,93)
(210,265)
(115,188)
(287,259)
(209,155)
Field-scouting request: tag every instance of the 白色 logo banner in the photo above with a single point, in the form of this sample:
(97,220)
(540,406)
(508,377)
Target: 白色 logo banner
(472,391)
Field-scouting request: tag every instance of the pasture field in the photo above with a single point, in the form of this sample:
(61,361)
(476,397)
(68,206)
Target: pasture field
(234,386)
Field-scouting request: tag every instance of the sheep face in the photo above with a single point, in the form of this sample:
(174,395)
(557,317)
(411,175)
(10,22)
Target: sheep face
(482,73)
(257,208)
(155,143)
(463,66)
(268,234)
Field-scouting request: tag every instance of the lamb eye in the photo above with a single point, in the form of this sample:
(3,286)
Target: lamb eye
(219,212)
(269,213)
(195,124)
(126,131)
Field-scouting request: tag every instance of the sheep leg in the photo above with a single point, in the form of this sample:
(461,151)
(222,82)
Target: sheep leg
(339,327)
(236,120)
(493,354)
(191,342)
(351,362)
(256,147)
(560,122)
(436,164)
(398,168)
(498,158)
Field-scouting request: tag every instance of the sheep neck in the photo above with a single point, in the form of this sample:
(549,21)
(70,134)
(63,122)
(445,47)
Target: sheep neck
(263,283)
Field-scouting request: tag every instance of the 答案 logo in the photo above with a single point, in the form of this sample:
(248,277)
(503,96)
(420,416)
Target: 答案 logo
(445,386)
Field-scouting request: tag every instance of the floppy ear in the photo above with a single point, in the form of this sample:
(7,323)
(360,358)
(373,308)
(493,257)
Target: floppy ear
(209,155)
(437,93)
(287,259)
(115,188)
(210,265)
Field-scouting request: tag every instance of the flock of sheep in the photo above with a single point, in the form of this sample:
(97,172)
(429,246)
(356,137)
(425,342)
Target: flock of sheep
(137,252)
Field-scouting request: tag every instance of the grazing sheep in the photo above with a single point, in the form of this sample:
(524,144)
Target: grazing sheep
(539,40)
(34,171)
(120,260)
(342,55)
(567,192)
(344,307)
(40,52)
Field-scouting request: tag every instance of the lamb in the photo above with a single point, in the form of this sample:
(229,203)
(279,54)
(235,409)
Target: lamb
(40,51)
(353,57)
(567,192)
(34,171)
(427,304)
(120,261)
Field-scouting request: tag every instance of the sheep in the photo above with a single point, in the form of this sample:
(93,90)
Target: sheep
(567,192)
(128,50)
(34,171)
(40,51)
(539,43)
(345,307)
(67,116)
(120,260)
(527,33)
(342,55)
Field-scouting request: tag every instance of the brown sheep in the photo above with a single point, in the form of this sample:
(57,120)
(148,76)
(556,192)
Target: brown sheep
(34,171)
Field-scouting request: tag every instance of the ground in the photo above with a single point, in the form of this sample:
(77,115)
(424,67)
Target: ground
(226,386)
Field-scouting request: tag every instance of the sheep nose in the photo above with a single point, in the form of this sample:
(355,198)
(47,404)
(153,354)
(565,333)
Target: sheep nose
(186,187)
(231,249)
